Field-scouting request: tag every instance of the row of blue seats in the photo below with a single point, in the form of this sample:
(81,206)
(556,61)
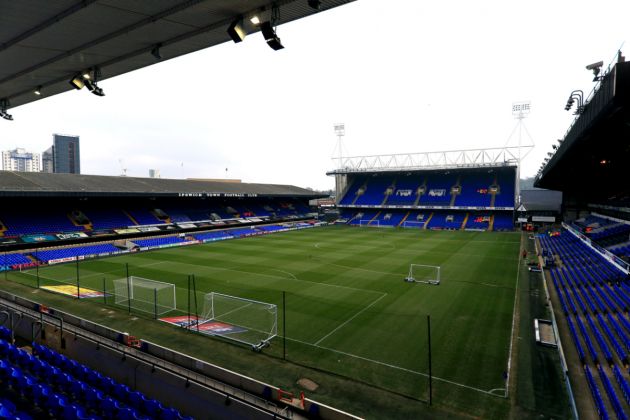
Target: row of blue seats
(74,251)
(612,395)
(597,397)
(13,259)
(97,392)
(168,240)
(586,281)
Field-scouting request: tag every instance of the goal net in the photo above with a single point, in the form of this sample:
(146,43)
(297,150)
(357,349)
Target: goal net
(243,320)
(369,222)
(413,224)
(419,273)
(145,295)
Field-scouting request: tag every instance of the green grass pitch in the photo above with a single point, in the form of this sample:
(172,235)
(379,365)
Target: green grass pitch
(348,310)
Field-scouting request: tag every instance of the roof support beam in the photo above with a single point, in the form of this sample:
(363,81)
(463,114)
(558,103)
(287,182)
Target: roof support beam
(165,13)
(46,24)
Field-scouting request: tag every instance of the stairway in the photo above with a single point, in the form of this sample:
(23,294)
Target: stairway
(427,222)
(402,222)
(454,196)
(491,223)
(465,221)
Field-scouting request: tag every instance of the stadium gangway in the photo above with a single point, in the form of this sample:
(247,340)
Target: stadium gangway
(576,340)
(611,337)
(620,333)
(612,395)
(623,384)
(597,397)
(600,340)
(587,340)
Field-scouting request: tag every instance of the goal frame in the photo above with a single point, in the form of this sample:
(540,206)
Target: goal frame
(435,282)
(125,298)
(210,316)
(413,224)
(368,222)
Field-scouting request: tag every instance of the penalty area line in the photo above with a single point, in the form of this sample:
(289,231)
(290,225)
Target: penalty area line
(413,372)
(351,318)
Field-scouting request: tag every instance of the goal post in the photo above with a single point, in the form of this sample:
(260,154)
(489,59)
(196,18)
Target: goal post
(369,222)
(247,321)
(413,224)
(145,295)
(420,273)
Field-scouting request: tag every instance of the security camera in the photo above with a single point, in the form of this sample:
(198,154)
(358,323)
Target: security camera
(595,66)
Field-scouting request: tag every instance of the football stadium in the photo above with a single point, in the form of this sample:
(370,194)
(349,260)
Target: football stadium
(424,285)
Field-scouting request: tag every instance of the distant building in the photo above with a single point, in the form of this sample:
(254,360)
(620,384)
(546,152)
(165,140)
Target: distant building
(47,161)
(20,160)
(66,154)
(154,173)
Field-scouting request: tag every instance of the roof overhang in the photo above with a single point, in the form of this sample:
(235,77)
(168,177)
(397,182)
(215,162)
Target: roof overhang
(46,43)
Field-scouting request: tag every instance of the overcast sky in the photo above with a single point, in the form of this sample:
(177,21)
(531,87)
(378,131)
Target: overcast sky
(403,75)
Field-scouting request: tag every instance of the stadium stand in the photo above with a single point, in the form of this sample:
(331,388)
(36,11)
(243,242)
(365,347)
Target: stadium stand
(36,220)
(76,251)
(477,199)
(46,382)
(156,242)
(593,293)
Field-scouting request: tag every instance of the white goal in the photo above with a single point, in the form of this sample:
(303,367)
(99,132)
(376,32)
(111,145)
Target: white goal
(244,320)
(413,224)
(369,222)
(145,295)
(419,273)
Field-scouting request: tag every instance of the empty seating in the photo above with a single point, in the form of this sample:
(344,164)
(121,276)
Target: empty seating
(75,251)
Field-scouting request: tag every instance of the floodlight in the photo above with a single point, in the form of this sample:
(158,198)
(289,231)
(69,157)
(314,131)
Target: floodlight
(549,154)
(270,36)
(155,52)
(315,4)
(236,31)
(86,75)
(77,82)
(4,104)
(38,91)
(255,20)
(93,87)
(554,147)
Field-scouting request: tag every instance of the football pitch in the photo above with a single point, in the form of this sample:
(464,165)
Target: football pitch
(346,309)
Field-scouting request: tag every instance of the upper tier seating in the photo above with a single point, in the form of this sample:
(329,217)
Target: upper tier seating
(475,188)
(108,219)
(36,221)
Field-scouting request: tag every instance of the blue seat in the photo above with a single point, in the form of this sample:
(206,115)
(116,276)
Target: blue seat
(7,408)
(121,392)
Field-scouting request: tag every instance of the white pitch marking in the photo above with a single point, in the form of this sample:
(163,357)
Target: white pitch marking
(350,319)
(437,378)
